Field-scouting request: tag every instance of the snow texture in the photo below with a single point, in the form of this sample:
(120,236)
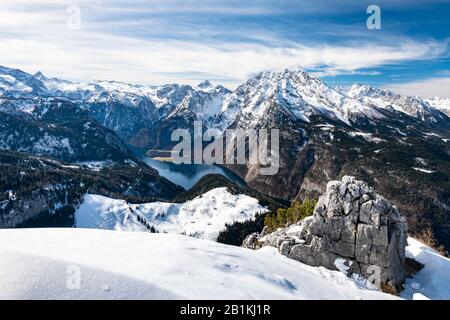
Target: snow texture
(99,264)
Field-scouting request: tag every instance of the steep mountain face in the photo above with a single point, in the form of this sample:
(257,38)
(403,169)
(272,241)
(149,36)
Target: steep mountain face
(300,96)
(296,95)
(126,118)
(180,106)
(124,108)
(57,129)
(412,170)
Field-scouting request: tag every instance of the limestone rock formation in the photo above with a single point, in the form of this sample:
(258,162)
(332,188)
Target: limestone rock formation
(352,228)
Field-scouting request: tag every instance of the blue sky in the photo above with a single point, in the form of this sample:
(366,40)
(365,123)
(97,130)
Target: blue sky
(226,41)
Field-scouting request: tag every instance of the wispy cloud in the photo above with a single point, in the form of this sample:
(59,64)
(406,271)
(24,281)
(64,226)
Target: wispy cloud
(134,60)
(156,42)
(424,88)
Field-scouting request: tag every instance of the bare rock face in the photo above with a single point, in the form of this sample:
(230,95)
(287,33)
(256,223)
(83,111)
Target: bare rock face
(352,228)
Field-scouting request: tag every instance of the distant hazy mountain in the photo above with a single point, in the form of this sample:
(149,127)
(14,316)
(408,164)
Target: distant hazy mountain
(442,104)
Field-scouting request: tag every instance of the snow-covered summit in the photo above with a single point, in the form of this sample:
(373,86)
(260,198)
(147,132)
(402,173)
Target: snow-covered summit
(15,82)
(383,98)
(35,264)
(205,85)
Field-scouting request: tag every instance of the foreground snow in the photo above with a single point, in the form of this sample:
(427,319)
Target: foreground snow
(203,217)
(44,264)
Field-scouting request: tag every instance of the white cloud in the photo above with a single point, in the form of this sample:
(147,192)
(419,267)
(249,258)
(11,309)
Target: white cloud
(35,37)
(425,88)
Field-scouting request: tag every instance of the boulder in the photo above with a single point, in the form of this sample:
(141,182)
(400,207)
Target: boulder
(351,223)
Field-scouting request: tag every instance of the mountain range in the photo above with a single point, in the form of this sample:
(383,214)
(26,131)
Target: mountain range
(398,144)
(131,109)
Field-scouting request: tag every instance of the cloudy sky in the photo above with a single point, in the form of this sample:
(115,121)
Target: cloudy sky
(226,41)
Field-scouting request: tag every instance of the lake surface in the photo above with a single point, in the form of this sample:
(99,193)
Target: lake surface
(185,175)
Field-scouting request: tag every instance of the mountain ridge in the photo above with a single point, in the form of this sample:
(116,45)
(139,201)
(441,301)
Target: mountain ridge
(216,105)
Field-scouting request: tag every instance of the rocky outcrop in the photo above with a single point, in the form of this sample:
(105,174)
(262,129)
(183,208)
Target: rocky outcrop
(352,229)
(253,241)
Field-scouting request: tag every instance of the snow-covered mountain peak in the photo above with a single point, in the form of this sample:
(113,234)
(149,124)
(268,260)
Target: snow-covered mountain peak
(298,76)
(40,76)
(11,71)
(295,83)
(383,98)
(109,85)
(297,94)
(359,90)
(207,87)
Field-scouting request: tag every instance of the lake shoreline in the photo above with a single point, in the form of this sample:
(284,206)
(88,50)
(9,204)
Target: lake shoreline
(184,175)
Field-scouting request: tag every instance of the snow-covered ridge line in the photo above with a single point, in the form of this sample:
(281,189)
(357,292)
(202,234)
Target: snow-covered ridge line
(203,217)
(297,93)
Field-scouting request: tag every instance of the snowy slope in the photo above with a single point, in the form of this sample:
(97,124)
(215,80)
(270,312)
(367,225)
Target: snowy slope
(43,264)
(433,281)
(203,217)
